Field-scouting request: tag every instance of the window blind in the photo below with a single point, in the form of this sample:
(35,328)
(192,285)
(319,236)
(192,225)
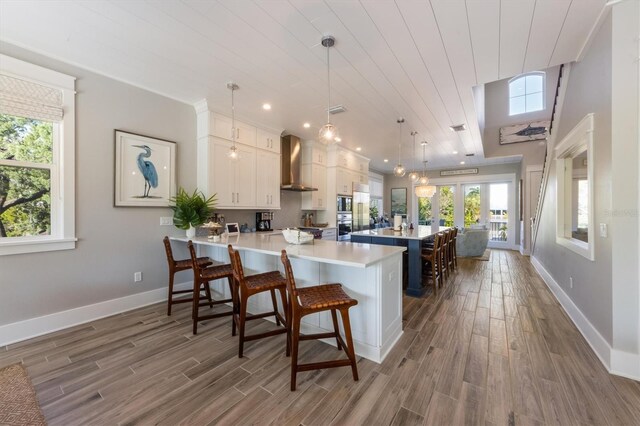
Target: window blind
(27,99)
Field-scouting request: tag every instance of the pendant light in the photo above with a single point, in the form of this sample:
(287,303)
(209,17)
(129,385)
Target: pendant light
(424,190)
(399,170)
(233,153)
(413,176)
(328,133)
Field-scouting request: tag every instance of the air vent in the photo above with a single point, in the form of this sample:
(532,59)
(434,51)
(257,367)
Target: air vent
(469,155)
(337,109)
(458,128)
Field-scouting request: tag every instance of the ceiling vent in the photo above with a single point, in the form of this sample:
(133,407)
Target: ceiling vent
(337,109)
(458,128)
(469,155)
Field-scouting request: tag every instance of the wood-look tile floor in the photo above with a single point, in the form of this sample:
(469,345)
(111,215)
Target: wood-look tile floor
(495,348)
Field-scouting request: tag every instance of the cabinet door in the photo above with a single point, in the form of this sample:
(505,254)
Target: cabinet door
(319,156)
(268,180)
(342,159)
(319,197)
(222,127)
(245,177)
(343,181)
(221,174)
(268,141)
(245,133)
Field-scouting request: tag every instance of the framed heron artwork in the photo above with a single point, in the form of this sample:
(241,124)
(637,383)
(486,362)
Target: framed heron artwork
(145,173)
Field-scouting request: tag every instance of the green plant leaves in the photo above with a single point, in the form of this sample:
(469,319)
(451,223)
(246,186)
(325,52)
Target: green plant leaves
(191,209)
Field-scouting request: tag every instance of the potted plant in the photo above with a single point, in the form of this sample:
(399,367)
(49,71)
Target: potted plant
(191,210)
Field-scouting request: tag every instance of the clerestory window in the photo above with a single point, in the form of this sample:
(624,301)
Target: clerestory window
(526,93)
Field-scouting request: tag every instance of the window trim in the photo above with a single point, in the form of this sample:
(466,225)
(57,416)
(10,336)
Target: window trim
(579,139)
(63,195)
(544,90)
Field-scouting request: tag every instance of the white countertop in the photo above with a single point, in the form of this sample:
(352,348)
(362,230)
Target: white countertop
(323,251)
(419,233)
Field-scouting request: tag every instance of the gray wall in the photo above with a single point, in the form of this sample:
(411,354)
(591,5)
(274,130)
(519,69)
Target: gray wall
(588,91)
(113,242)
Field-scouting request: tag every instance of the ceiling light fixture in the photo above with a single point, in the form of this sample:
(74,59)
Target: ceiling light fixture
(399,170)
(413,176)
(462,162)
(266,107)
(328,132)
(386,160)
(338,139)
(359,149)
(424,190)
(306,125)
(455,152)
(233,151)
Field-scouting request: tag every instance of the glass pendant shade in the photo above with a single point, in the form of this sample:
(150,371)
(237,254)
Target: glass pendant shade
(423,180)
(399,170)
(233,153)
(414,176)
(328,133)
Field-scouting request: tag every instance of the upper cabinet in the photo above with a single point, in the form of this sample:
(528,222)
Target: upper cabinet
(314,173)
(252,180)
(348,168)
(268,141)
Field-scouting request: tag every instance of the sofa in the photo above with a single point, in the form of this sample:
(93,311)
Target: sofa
(472,242)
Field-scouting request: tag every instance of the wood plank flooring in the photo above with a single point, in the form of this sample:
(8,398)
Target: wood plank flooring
(495,348)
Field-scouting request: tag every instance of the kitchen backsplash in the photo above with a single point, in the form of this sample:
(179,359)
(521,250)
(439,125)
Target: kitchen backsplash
(288,216)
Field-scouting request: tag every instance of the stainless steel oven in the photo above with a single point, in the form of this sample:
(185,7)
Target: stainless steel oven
(344,204)
(345,225)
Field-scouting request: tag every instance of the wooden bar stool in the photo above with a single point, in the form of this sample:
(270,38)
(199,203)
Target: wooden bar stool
(309,300)
(444,254)
(201,278)
(433,259)
(454,251)
(247,286)
(177,266)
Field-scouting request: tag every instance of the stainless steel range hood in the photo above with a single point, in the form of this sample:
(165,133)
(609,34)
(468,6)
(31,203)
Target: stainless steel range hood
(291,167)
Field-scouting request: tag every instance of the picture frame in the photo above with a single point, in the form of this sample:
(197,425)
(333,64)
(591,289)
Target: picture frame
(525,132)
(145,170)
(232,228)
(398,201)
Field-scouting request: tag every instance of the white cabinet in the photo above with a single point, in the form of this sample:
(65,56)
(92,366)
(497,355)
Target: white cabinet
(376,188)
(245,133)
(316,175)
(268,179)
(268,141)
(234,181)
(330,234)
(313,152)
(343,181)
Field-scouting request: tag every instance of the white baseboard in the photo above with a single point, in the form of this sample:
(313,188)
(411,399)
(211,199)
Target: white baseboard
(34,327)
(616,362)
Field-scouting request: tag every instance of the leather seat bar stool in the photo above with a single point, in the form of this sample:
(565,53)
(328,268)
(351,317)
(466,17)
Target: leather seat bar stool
(246,286)
(177,266)
(201,278)
(309,300)
(433,260)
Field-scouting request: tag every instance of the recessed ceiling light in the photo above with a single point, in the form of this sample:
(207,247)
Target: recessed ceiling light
(462,162)
(386,160)
(306,125)
(358,149)
(455,152)
(266,107)
(337,139)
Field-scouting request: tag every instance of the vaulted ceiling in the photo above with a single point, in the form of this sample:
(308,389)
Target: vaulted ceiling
(415,59)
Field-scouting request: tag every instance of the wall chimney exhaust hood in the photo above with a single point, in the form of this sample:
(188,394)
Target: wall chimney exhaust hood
(291,168)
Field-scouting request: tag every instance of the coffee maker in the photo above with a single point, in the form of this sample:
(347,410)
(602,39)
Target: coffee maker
(263,221)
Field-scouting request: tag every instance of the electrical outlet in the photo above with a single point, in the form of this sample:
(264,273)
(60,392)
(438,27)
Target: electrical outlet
(603,230)
(166,221)
(137,277)
(570,282)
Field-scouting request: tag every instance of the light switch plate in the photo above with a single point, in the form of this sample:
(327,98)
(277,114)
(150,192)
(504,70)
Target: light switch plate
(166,221)
(603,230)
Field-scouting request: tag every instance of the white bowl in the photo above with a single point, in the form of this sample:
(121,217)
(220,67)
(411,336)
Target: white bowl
(294,236)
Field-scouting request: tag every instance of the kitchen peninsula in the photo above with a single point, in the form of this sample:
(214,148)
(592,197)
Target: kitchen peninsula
(372,274)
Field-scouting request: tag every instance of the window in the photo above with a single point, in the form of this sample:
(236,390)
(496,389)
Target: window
(574,167)
(526,93)
(37,129)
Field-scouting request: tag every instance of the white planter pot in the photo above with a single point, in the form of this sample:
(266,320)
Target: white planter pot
(191,232)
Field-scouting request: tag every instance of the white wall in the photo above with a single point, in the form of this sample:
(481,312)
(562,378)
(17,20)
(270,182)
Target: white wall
(605,298)
(113,242)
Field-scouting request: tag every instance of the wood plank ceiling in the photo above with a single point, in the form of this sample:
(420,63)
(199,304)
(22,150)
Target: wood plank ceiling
(415,59)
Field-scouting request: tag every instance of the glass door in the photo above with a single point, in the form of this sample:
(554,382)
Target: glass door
(446,197)
(425,212)
(472,206)
(498,212)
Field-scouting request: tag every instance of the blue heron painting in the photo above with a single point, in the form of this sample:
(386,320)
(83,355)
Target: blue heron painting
(147,169)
